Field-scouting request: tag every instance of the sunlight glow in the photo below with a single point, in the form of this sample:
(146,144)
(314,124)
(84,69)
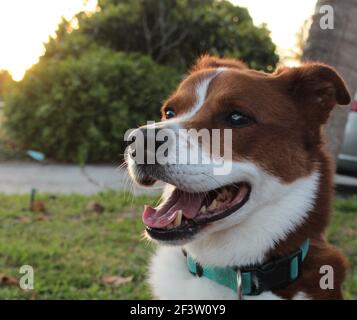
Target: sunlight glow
(26,24)
(283,18)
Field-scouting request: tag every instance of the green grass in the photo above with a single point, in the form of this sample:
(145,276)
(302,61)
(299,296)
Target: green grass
(71,248)
(74,248)
(343,233)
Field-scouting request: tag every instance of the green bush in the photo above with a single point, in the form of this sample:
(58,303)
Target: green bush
(171,32)
(5,83)
(78,109)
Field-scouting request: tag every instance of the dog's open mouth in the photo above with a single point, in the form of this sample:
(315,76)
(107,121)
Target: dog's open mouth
(183,214)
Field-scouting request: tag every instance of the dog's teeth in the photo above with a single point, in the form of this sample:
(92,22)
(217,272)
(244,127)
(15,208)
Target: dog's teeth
(221,197)
(178,218)
(228,194)
(203,209)
(170,226)
(224,195)
(213,205)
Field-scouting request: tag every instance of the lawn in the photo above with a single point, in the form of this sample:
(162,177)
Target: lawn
(81,253)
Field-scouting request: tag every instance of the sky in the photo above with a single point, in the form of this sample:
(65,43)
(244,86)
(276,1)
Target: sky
(26,24)
(283,17)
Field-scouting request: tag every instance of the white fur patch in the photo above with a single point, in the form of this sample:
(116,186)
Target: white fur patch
(201,93)
(170,279)
(301,296)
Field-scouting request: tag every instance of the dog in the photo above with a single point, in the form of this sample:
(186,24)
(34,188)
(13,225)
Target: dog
(257,232)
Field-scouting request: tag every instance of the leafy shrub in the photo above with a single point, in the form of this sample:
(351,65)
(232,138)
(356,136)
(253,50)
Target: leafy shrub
(78,109)
(172,32)
(5,83)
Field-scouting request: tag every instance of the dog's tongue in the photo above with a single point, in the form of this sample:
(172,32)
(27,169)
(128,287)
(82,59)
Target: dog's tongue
(165,213)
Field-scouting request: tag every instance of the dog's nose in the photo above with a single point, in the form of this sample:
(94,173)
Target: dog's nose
(150,137)
(147,141)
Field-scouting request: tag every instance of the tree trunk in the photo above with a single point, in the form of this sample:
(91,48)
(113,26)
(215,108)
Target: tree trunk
(336,47)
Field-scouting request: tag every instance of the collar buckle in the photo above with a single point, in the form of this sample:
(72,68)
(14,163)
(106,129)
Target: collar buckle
(239,285)
(275,274)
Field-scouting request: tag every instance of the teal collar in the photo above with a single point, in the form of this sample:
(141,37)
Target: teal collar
(255,279)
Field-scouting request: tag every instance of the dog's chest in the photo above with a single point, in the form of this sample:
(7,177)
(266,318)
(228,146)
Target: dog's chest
(170,279)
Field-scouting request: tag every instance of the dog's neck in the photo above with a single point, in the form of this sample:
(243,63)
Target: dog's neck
(279,226)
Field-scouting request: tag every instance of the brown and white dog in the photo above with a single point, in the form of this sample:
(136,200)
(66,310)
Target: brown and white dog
(278,192)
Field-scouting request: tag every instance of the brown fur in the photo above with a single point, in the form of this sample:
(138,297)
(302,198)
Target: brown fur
(289,106)
(207,62)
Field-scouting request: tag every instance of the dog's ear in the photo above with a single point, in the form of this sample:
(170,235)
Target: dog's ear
(207,61)
(316,87)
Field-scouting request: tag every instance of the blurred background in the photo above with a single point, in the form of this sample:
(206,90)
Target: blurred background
(75,75)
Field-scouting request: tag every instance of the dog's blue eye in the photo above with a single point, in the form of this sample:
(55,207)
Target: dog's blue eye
(169,113)
(236,119)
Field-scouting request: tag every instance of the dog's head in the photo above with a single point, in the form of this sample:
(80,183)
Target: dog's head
(273,124)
